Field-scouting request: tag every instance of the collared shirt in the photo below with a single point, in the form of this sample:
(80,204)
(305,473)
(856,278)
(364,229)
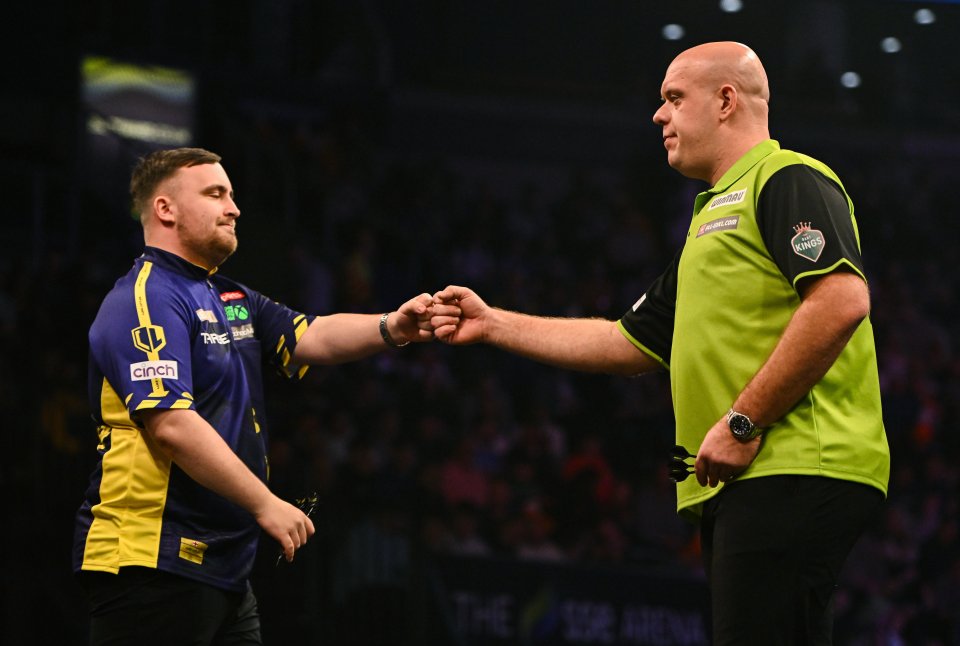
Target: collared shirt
(171,335)
(775,218)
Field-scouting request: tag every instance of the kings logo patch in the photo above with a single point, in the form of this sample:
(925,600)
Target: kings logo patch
(808,242)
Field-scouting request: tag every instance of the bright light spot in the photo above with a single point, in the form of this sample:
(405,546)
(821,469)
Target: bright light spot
(890,45)
(731,6)
(924,17)
(850,80)
(673,31)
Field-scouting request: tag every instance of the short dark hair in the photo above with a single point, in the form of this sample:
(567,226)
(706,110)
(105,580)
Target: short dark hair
(152,169)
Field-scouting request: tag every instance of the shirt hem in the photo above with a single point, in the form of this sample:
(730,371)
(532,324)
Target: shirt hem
(691,508)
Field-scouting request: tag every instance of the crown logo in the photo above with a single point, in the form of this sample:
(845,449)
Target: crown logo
(803,226)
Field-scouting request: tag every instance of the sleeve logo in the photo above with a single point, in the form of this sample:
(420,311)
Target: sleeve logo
(147,370)
(149,338)
(808,242)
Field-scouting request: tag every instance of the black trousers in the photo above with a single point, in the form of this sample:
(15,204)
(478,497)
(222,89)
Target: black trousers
(147,607)
(773,548)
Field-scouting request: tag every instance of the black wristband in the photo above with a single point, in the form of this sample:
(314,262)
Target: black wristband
(386,335)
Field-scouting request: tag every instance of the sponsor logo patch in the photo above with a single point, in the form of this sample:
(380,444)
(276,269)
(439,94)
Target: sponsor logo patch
(241,332)
(726,200)
(206,315)
(226,297)
(236,312)
(192,550)
(147,370)
(215,339)
(722,224)
(808,243)
(149,338)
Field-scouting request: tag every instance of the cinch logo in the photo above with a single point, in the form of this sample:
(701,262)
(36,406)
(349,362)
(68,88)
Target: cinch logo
(231,296)
(147,370)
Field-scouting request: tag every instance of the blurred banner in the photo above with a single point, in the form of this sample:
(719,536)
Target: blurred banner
(485,601)
(128,110)
(142,103)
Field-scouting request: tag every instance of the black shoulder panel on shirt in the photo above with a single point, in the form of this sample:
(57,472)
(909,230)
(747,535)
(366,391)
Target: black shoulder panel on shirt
(650,321)
(806,222)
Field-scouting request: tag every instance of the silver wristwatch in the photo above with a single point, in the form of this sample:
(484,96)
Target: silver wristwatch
(742,426)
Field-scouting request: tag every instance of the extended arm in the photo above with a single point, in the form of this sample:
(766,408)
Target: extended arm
(832,308)
(590,345)
(339,338)
(197,448)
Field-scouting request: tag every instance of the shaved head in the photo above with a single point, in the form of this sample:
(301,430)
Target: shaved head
(727,62)
(716,104)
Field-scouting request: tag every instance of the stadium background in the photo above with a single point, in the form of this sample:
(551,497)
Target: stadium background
(380,149)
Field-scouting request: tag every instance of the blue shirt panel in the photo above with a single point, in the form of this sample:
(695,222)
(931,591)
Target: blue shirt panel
(208,337)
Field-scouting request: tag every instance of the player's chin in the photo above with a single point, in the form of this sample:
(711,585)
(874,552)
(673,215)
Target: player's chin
(225,246)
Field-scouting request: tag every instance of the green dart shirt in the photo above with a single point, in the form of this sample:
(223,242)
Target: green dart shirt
(715,315)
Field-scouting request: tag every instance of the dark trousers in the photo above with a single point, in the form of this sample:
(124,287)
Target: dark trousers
(146,607)
(773,548)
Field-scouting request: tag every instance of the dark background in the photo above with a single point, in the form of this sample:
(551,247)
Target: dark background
(381,149)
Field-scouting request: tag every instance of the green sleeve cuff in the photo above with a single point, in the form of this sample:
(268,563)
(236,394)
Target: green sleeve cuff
(641,346)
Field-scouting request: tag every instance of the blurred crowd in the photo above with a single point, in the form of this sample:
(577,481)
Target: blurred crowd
(431,450)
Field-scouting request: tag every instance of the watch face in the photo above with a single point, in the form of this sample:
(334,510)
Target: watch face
(740,425)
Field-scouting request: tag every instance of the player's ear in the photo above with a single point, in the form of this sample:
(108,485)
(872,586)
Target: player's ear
(164,208)
(728,101)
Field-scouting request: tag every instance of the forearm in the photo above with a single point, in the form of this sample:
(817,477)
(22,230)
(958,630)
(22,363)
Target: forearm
(588,345)
(822,325)
(196,447)
(339,338)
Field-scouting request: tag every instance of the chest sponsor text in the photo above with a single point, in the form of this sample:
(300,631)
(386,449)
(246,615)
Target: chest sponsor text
(726,200)
(721,224)
(215,339)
